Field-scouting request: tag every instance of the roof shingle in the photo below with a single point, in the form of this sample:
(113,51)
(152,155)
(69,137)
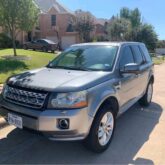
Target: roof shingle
(45,5)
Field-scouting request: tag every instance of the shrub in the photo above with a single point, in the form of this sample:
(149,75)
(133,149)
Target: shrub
(6,41)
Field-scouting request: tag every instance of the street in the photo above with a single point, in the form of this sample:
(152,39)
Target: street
(139,138)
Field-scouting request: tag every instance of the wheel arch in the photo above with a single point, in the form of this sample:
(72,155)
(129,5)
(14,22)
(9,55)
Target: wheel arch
(113,102)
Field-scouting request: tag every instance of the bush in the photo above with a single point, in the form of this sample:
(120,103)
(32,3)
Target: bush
(6,41)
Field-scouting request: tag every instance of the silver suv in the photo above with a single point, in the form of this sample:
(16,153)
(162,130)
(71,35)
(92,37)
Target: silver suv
(79,95)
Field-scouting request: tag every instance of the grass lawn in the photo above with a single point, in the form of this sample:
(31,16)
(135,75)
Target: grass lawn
(11,67)
(158,60)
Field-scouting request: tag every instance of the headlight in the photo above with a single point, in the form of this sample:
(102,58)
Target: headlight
(4,90)
(69,100)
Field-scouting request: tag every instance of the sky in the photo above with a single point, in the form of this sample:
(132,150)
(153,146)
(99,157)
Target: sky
(153,11)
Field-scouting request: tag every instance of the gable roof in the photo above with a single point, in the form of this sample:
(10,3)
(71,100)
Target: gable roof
(46,5)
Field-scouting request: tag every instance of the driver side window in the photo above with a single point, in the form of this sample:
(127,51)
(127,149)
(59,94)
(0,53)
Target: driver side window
(126,57)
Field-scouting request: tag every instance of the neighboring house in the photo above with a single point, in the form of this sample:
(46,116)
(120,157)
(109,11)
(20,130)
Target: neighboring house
(160,51)
(99,23)
(56,22)
(101,27)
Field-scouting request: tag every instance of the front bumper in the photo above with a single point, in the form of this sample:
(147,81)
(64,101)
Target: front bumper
(47,121)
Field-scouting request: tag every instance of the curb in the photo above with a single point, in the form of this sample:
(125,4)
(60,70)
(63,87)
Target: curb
(1,86)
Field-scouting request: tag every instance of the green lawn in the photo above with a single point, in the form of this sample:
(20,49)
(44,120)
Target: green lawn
(11,67)
(158,60)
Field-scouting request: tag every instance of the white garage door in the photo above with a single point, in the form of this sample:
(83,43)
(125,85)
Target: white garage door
(54,39)
(68,41)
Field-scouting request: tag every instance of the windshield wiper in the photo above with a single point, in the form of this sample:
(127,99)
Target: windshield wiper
(69,68)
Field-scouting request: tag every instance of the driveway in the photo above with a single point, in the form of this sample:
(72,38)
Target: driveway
(139,139)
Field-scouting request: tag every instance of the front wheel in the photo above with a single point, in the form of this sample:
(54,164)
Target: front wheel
(146,99)
(102,130)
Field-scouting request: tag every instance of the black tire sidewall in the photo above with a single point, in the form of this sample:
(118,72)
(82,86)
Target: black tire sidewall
(92,141)
(144,100)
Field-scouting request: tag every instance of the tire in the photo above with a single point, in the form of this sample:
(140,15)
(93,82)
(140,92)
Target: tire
(93,141)
(147,98)
(44,49)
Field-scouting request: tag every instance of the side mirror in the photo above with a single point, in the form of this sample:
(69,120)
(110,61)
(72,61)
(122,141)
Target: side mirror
(131,68)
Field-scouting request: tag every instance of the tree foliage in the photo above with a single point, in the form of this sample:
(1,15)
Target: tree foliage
(118,29)
(128,26)
(84,25)
(161,44)
(16,16)
(147,35)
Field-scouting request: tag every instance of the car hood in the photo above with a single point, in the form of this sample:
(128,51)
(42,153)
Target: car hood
(59,79)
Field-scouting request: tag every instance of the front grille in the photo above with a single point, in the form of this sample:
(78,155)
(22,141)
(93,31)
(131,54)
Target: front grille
(25,97)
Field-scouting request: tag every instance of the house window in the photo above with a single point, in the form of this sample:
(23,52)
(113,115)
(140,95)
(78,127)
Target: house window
(70,28)
(53,20)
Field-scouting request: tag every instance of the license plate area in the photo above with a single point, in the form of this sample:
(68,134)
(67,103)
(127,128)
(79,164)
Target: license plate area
(15,120)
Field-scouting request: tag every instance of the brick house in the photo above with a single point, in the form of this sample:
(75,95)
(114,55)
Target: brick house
(99,30)
(56,22)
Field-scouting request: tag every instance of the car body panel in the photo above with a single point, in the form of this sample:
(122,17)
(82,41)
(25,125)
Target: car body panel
(42,44)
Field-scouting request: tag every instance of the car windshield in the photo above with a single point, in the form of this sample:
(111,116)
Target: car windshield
(49,41)
(99,58)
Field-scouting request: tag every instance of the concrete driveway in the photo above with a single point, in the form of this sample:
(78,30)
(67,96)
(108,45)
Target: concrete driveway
(139,139)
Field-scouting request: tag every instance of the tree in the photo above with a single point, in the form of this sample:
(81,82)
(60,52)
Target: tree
(147,35)
(18,15)
(135,18)
(118,29)
(125,13)
(84,25)
(129,27)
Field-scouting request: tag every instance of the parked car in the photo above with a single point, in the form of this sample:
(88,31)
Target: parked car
(42,44)
(80,94)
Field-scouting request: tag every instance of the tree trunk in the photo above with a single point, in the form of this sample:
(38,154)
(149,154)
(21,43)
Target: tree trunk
(14,47)
(14,44)
(59,40)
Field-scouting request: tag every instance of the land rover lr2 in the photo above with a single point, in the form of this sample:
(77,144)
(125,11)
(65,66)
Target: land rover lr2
(79,94)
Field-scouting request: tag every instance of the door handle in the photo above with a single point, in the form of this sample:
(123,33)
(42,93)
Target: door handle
(117,86)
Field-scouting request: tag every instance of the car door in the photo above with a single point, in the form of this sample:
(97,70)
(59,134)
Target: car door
(39,45)
(32,45)
(142,78)
(128,82)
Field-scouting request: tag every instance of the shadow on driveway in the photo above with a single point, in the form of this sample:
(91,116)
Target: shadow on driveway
(132,131)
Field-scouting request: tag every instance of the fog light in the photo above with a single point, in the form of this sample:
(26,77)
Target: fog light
(63,123)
